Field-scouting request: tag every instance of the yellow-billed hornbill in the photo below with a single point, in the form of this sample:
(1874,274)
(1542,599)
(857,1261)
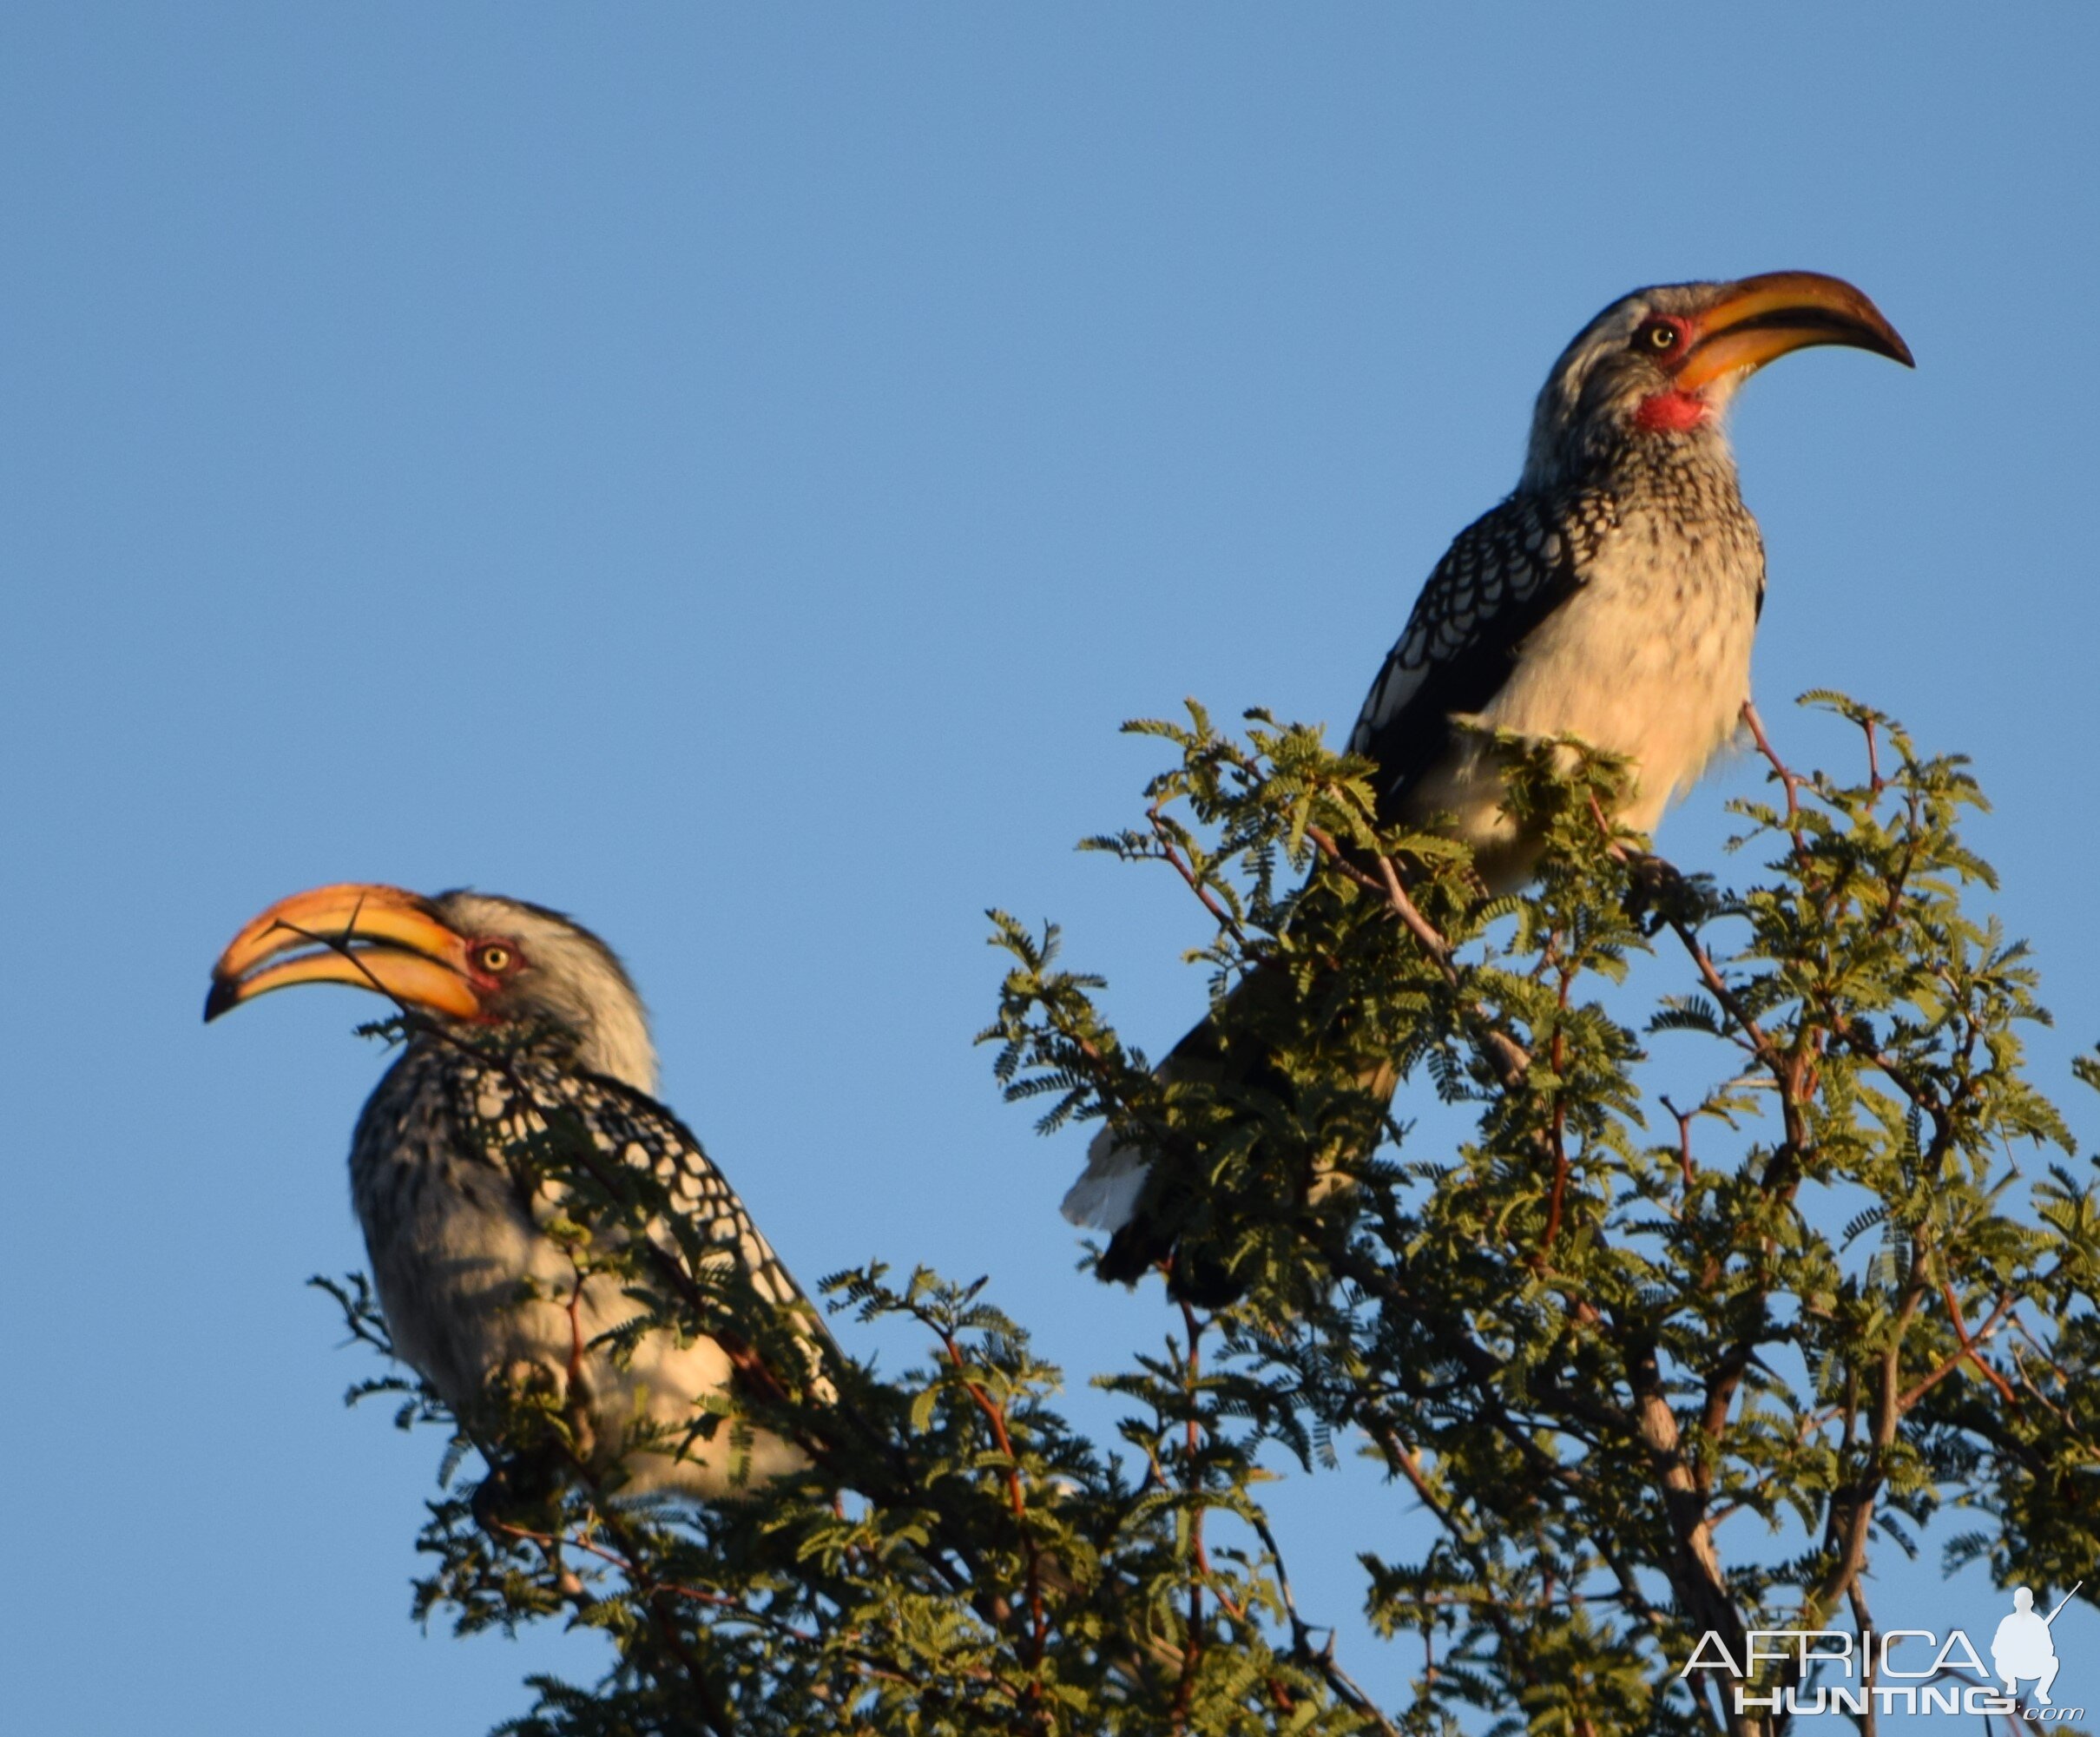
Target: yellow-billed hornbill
(1613,596)
(523,1022)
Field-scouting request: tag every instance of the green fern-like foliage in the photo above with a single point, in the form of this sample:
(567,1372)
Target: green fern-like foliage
(1653,1366)
(1643,1363)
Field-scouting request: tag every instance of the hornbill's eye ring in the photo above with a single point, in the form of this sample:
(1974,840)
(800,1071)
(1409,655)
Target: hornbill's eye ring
(1659,335)
(493,958)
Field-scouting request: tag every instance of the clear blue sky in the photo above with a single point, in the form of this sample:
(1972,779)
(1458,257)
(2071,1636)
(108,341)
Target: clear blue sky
(727,473)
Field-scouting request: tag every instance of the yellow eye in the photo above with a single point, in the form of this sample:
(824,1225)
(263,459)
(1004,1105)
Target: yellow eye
(493,959)
(1661,337)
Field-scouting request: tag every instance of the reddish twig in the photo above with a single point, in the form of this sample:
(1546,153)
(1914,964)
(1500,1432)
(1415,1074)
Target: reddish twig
(1790,780)
(1172,855)
(1970,1346)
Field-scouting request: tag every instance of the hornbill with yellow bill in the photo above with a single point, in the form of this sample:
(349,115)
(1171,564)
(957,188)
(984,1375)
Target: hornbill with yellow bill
(1613,597)
(521,1023)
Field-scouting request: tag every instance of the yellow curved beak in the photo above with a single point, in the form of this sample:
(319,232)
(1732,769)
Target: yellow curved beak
(1762,318)
(374,937)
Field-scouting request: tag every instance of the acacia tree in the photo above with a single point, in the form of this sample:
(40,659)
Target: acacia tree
(1597,1336)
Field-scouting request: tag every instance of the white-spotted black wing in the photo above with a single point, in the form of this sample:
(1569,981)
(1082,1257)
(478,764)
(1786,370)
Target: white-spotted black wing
(513,1101)
(1503,575)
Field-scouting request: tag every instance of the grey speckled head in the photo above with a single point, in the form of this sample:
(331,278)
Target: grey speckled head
(560,973)
(1662,363)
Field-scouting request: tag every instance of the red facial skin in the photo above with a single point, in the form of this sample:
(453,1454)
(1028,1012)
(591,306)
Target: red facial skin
(1672,411)
(490,984)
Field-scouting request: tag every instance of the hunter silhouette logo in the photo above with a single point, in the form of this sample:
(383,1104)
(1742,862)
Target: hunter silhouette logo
(1894,1670)
(2024,1648)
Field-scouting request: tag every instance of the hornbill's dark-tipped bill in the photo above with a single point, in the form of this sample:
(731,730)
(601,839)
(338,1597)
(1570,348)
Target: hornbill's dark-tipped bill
(373,938)
(1762,318)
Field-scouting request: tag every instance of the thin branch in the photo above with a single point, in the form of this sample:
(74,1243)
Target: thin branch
(1321,1660)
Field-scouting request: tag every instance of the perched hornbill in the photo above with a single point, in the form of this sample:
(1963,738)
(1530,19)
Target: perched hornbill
(1612,596)
(524,1021)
